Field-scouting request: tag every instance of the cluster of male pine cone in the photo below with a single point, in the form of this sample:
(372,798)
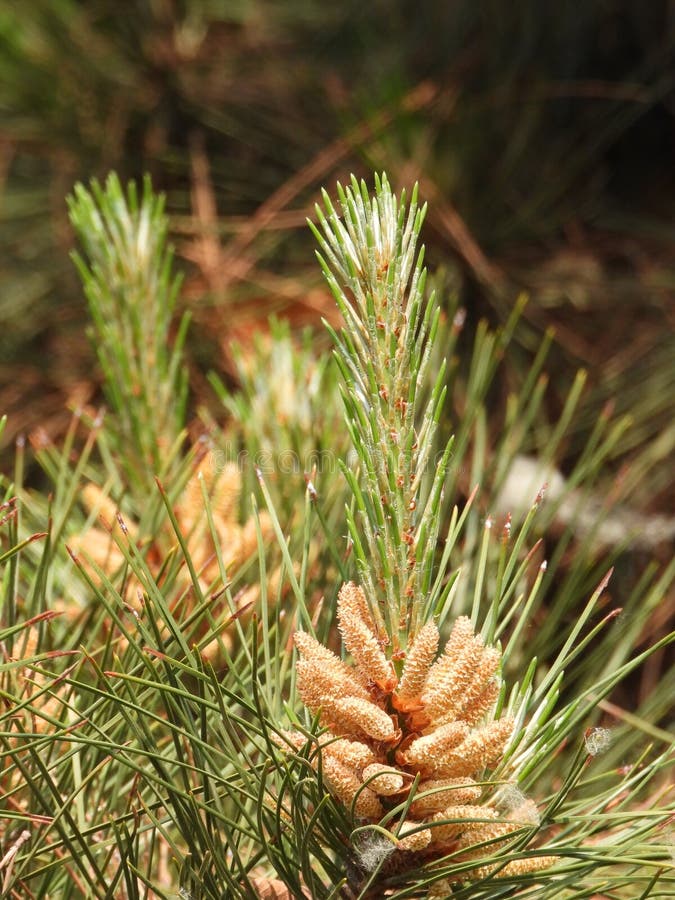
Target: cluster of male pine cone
(428,729)
(237,542)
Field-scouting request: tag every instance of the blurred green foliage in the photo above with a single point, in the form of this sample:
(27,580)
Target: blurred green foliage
(146,671)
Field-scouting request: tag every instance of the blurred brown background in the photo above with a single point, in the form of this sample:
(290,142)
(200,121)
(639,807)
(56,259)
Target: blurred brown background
(542,135)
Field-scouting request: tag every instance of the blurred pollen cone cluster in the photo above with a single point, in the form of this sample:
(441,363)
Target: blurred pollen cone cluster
(431,724)
(238,542)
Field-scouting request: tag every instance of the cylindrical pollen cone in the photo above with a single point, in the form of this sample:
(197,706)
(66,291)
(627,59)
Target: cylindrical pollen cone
(318,685)
(353,754)
(94,498)
(418,840)
(425,752)
(382,779)
(451,680)
(443,792)
(416,668)
(365,648)
(311,649)
(366,717)
(463,816)
(483,747)
(352,602)
(462,632)
(519,866)
(344,784)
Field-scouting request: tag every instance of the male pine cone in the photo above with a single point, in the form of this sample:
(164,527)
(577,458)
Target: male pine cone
(429,728)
